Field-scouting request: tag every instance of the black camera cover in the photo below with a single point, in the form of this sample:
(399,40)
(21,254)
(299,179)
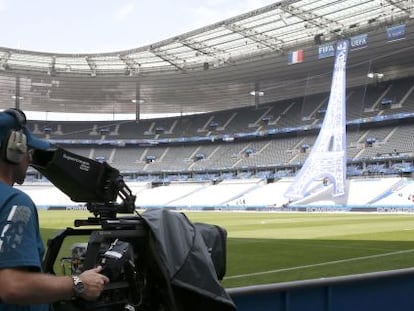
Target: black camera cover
(192,258)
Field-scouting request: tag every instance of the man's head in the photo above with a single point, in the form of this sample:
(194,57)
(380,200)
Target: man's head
(16,142)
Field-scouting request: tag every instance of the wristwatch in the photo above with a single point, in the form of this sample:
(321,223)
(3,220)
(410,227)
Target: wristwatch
(78,287)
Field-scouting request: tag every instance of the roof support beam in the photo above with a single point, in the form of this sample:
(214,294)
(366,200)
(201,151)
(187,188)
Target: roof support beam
(3,61)
(171,59)
(133,67)
(52,71)
(202,48)
(408,8)
(319,21)
(92,65)
(256,36)
(205,49)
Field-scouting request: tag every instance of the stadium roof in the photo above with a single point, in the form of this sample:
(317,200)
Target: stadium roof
(212,68)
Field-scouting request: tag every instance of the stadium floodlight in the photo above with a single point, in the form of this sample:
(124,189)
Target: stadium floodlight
(375,75)
(257,93)
(17,97)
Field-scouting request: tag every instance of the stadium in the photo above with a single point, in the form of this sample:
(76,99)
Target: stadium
(241,112)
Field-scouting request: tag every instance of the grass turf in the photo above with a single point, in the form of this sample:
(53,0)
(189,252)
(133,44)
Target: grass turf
(277,247)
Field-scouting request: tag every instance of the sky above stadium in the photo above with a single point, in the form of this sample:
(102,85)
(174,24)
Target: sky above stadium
(96,26)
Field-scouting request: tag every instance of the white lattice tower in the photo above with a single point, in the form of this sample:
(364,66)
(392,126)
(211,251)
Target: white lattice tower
(327,158)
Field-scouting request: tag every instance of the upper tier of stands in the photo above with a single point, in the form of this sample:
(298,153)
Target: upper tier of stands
(375,99)
(363,142)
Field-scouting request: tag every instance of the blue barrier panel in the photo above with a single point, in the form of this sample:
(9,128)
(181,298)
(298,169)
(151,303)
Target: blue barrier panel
(390,290)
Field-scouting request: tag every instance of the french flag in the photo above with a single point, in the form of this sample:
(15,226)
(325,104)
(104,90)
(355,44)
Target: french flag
(295,57)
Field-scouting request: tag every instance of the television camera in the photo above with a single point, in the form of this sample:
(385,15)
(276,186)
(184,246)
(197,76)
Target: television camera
(157,260)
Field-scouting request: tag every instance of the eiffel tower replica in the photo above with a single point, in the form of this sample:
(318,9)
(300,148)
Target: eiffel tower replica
(327,159)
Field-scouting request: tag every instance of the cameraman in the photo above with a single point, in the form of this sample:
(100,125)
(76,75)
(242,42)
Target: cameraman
(23,286)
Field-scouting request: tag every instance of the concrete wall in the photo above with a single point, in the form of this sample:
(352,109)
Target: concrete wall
(381,291)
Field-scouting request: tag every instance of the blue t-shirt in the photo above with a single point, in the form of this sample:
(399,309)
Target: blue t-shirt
(20,241)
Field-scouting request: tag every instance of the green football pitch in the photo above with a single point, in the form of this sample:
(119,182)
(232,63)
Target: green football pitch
(265,248)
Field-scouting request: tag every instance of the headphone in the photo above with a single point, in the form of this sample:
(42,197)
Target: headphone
(14,146)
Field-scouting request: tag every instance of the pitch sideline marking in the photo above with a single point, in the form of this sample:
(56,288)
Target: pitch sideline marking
(319,264)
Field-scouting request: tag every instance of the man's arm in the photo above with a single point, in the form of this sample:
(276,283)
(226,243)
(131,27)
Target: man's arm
(24,287)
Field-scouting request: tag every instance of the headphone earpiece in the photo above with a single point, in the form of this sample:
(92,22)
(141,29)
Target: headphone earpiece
(15,147)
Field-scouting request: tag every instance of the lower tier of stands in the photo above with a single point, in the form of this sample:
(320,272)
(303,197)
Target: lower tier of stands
(378,194)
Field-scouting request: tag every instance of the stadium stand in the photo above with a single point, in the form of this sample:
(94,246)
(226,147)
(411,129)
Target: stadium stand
(264,150)
(232,132)
(206,171)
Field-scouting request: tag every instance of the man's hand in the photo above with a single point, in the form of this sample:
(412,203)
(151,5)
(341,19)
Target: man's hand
(94,283)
